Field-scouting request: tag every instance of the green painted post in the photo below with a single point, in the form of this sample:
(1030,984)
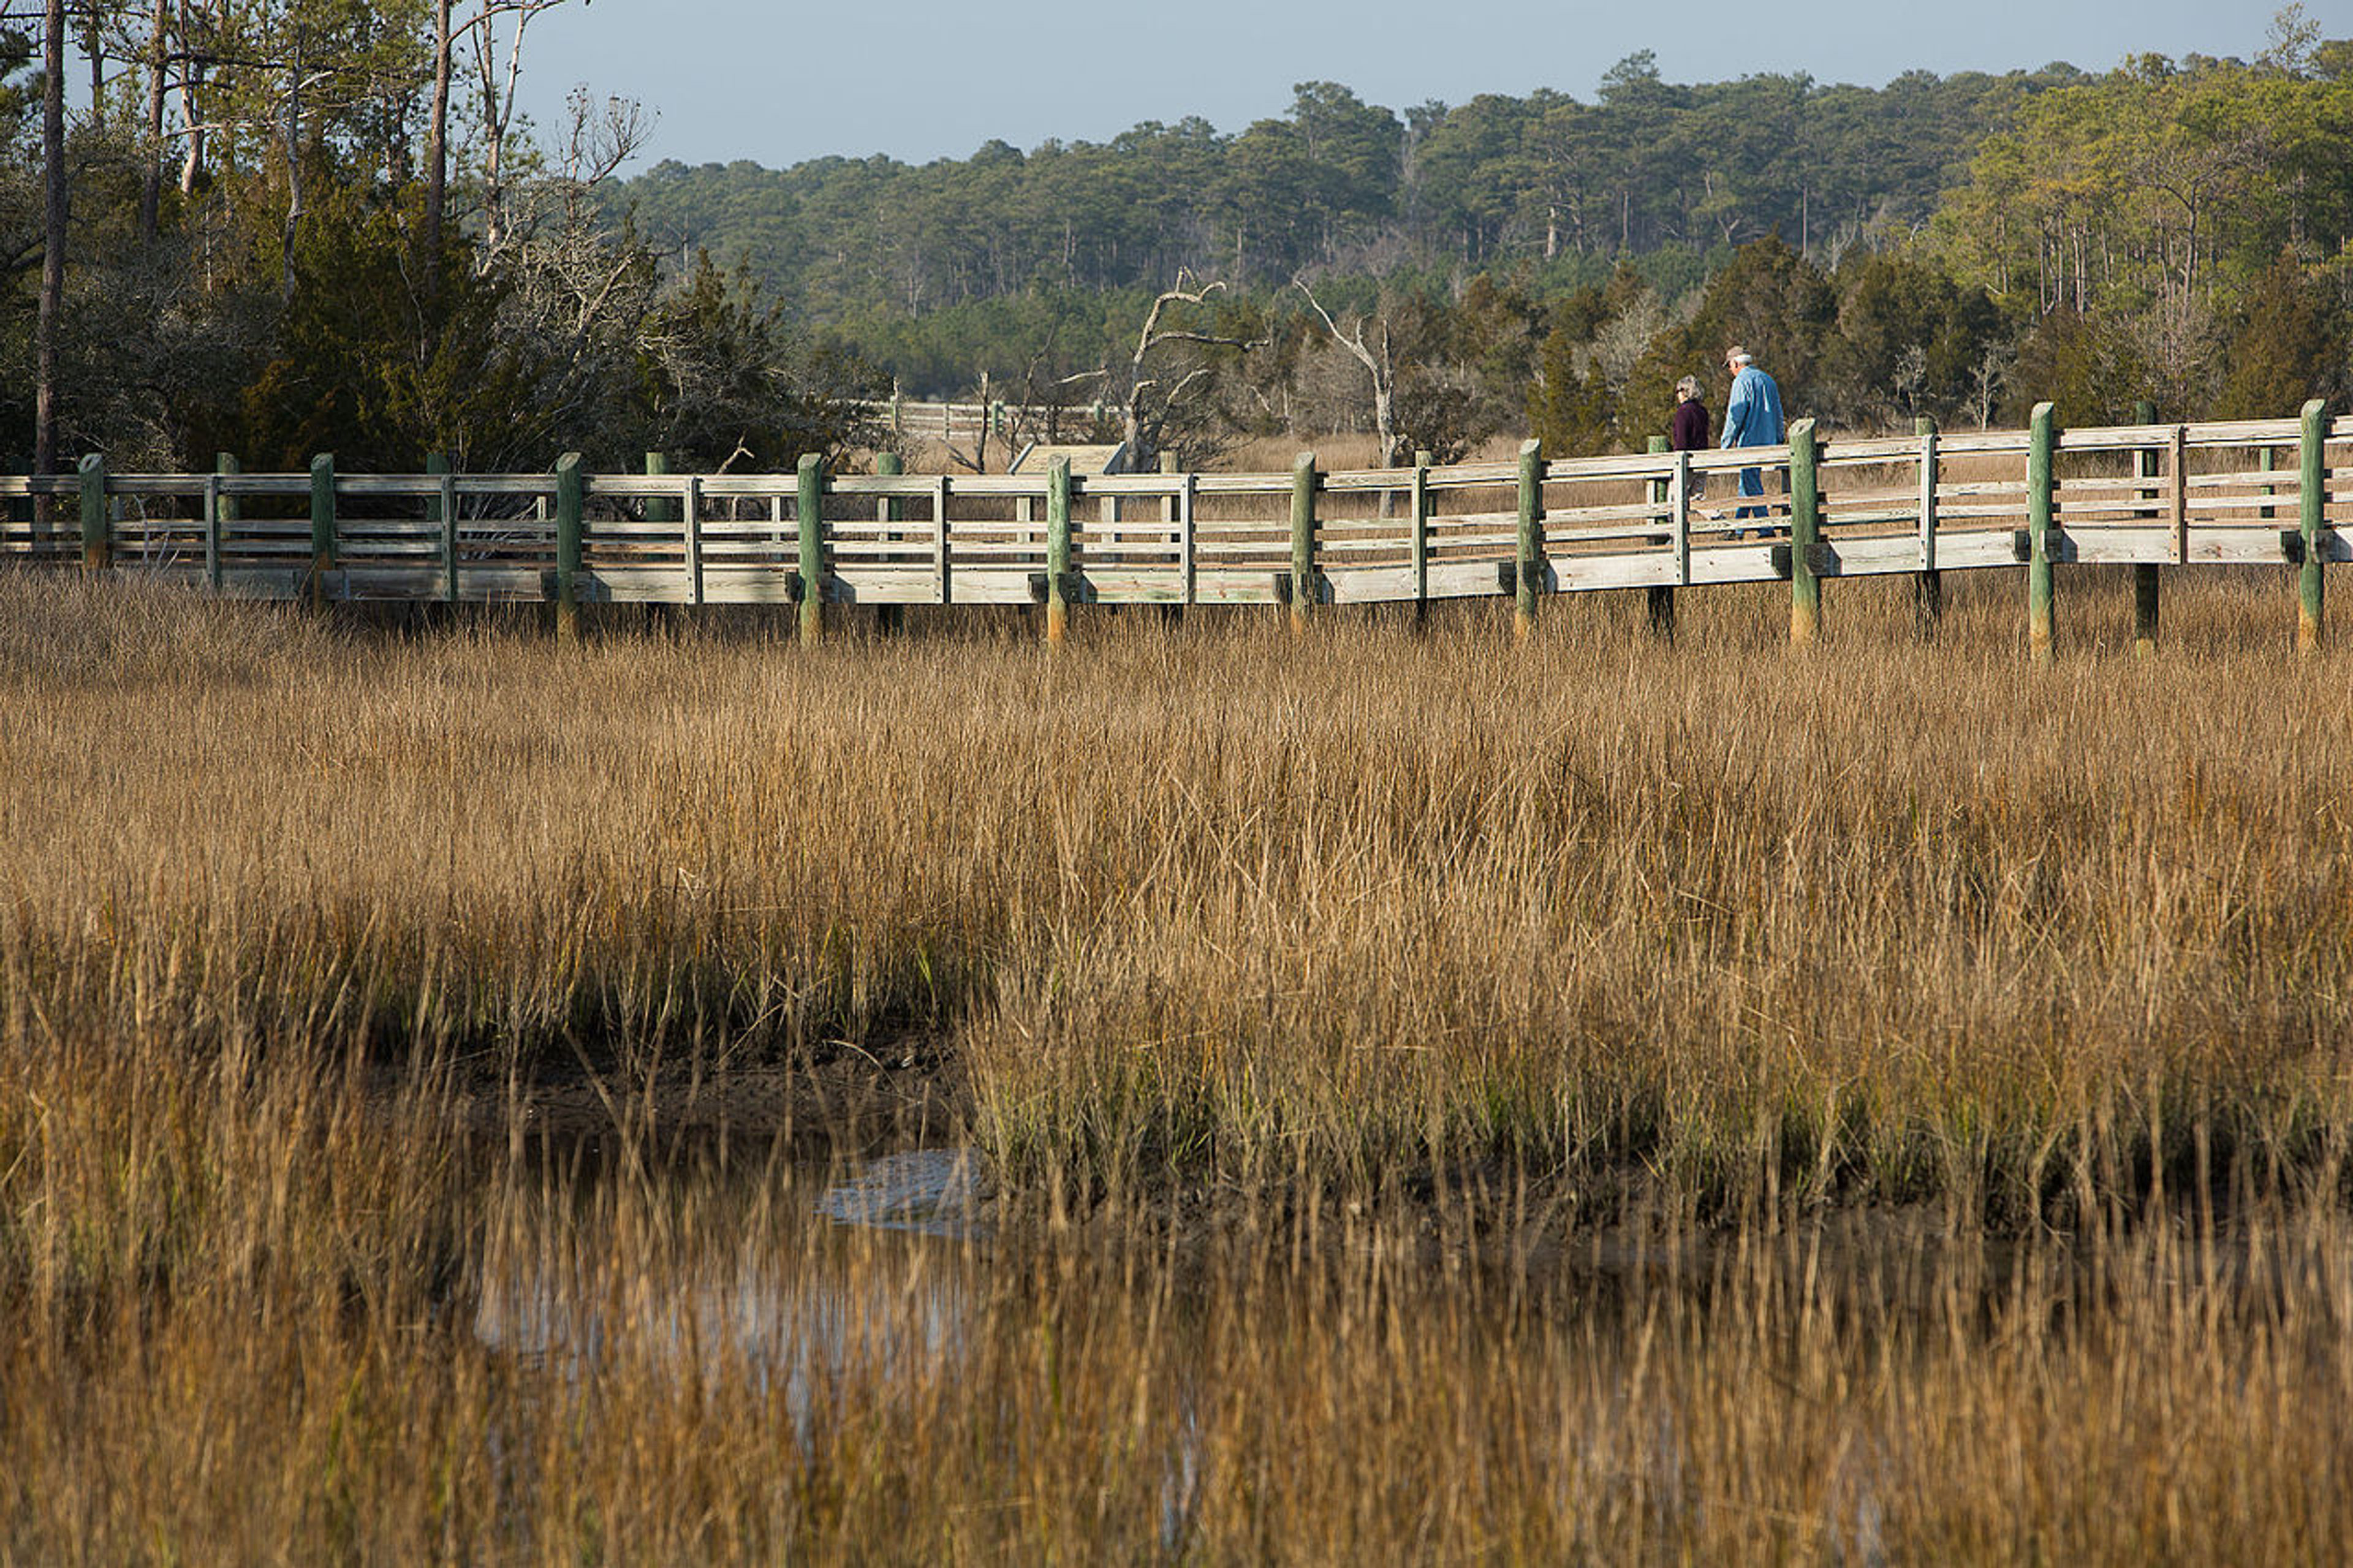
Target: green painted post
(225,514)
(659,508)
(1928,583)
(2146,590)
(1528,566)
(570,552)
(1805,532)
(1302,541)
(1662,595)
(889,465)
(226,463)
(2313,506)
(2041,440)
(1058,551)
(810,506)
(444,506)
(322,523)
(97,538)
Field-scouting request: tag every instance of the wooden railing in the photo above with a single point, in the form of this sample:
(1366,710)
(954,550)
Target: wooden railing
(951,422)
(2147,495)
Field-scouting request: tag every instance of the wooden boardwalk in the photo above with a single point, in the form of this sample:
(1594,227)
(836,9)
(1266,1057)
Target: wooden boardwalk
(2246,492)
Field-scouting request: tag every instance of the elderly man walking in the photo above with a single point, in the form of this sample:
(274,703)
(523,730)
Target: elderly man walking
(1752,417)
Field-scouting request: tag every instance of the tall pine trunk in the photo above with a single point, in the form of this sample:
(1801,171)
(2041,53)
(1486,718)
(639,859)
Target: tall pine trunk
(53,240)
(150,189)
(437,152)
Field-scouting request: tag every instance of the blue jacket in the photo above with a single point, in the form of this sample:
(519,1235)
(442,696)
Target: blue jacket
(1753,417)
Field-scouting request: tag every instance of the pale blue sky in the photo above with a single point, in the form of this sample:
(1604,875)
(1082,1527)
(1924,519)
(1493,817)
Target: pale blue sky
(921,79)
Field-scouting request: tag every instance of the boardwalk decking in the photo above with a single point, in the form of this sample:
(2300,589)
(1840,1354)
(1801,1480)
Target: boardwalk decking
(2151,495)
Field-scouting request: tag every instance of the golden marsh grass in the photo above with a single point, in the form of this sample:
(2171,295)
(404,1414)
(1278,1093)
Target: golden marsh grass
(1617,1100)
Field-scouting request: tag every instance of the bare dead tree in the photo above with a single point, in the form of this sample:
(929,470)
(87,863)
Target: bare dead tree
(498,69)
(1380,365)
(1145,402)
(976,460)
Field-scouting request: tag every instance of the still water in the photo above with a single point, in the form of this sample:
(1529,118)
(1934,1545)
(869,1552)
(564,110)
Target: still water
(771,1273)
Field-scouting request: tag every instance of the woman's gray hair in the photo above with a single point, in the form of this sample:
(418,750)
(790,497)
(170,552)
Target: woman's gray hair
(1688,387)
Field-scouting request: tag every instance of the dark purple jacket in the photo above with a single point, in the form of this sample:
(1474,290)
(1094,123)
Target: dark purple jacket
(1687,432)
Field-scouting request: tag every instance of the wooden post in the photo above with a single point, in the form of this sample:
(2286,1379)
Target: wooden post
(213,533)
(1176,515)
(810,507)
(571,509)
(1189,530)
(227,465)
(981,421)
(445,512)
(941,584)
(659,508)
(1421,510)
(1302,541)
(1660,597)
(2178,467)
(2146,590)
(25,510)
(1805,530)
(1058,551)
(691,500)
(891,619)
(2041,439)
(1529,563)
(1682,496)
(1928,583)
(97,538)
(2313,508)
(322,524)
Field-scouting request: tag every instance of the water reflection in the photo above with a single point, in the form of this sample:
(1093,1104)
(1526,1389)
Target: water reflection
(931,1191)
(788,1277)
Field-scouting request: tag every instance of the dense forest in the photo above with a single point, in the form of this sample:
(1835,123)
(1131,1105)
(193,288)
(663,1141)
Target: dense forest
(279,226)
(1944,246)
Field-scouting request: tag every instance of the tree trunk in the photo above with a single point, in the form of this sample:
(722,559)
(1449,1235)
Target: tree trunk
(494,142)
(436,154)
(191,112)
(150,189)
(1140,456)
(53,240)
(293,132)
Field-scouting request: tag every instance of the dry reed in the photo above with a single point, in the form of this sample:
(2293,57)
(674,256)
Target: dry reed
(1676,1102)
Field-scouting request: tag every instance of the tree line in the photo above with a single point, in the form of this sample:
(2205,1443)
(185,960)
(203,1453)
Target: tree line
(1649,166)
(1950,246)
(277,228)
(274,227)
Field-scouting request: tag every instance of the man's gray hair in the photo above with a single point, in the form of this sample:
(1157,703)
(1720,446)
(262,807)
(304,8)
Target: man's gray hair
(1736,355)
